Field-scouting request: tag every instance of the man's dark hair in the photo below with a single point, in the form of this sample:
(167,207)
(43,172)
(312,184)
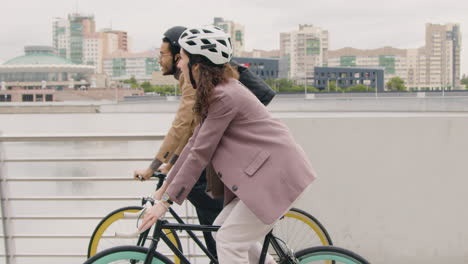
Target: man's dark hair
(175,49)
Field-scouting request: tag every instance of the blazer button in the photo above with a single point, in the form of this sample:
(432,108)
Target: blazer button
(220,175)
(234,188)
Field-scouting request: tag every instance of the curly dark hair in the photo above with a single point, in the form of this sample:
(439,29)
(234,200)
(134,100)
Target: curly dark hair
(207,77)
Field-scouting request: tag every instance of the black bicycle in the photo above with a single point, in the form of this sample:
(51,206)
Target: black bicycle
(142,255)
(297,228)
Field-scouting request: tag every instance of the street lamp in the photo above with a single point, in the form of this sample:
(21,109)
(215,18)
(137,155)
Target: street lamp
(375,86)
(443,90)
(305,81)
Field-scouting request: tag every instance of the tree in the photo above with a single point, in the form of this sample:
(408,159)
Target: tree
(132,81)
(146,85)
(396,84)
(464,81)
(332,87)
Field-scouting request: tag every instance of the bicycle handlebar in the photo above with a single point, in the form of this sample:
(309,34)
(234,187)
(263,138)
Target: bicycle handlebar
(159,175)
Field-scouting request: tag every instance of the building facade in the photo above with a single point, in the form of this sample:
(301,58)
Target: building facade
(256,53)
(35,76)
(434,66)
(302,50)
(40,68)
(122,65)
(392,60)
(345,77)
(236,31)
(265,68)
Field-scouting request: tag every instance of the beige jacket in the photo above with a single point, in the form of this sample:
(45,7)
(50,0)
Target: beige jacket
(182,126)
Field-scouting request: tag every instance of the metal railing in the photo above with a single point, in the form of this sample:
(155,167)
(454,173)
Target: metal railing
(10,235)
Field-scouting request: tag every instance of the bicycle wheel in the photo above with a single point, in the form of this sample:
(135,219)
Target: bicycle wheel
(329,254)
(300,230)
(126,254)
(103,236)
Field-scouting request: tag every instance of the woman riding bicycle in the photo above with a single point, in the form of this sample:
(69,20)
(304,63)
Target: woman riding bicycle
(251,158)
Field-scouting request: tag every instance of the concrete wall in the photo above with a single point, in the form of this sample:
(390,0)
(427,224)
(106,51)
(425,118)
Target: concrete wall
(391,186)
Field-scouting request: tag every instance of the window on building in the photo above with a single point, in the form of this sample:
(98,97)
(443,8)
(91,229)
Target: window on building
(28,98)
(5,97)
(39,97)
(49,98)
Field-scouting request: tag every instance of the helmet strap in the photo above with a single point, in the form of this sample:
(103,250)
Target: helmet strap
(192,80)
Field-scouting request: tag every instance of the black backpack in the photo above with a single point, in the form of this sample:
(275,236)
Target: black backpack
(255,84)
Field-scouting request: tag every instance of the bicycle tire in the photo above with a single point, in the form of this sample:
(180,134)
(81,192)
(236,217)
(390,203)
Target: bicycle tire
(116,215)
(126,254)
(300,230)
(328,254)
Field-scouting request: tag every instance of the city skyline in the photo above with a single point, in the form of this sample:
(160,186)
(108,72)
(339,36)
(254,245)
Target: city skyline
(363,25)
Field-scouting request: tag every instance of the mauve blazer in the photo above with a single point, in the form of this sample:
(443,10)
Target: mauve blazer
(253,154)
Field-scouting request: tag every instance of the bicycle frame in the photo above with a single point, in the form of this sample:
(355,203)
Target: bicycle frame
(164,224)
(189,228)
(143,236)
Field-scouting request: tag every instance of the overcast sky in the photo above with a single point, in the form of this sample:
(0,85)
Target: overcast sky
(358,23)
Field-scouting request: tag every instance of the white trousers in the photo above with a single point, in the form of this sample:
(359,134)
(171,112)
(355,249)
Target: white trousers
(238,239)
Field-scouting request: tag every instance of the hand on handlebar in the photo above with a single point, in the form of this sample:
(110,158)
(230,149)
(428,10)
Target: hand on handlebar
(143,175)
(152,214)
(164,168)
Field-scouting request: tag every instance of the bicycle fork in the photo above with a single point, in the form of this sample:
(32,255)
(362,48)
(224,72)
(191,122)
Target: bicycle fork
(154,242)
(286,256)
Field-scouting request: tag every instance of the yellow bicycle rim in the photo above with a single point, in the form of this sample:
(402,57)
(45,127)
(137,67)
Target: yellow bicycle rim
(120,215)
(310,223)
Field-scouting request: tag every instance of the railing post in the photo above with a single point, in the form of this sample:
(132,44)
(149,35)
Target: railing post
(7,234)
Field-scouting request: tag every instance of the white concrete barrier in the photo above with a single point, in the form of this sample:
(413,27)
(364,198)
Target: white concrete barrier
(391,186)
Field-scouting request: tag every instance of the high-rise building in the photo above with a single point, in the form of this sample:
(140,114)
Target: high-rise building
(121,39)
(434,66)
(236,31)
(76,39)
(302,50)
(69,33)
(442,53)
(93,50)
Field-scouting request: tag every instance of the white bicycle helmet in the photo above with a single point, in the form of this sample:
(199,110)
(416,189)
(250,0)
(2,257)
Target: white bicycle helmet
(208,41)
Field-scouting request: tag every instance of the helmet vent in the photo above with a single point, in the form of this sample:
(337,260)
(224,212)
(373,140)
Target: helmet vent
(225,55)
(207,31)
(183,35)
(205,41)
(213,50)
(195,31)
(222,42)
(191,43)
